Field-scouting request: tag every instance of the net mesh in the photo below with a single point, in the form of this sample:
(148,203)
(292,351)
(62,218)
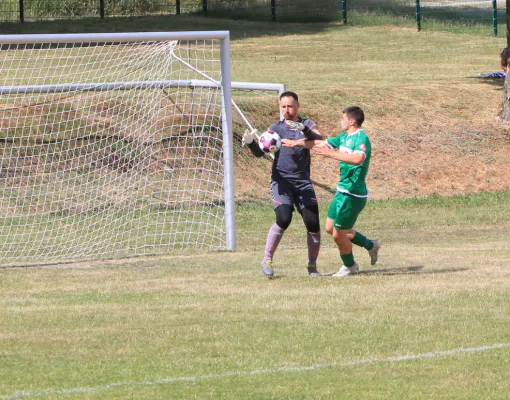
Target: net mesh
(102,160)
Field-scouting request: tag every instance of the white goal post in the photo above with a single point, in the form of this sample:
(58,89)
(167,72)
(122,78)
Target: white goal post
(118,145)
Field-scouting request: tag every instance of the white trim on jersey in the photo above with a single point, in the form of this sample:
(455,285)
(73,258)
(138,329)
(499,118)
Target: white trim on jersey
(339,189)
(360,151)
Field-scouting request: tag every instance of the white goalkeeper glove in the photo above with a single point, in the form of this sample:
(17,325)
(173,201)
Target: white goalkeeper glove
(249,136)
(309,134)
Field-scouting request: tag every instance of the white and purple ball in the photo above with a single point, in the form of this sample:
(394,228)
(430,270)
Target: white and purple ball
(269,142)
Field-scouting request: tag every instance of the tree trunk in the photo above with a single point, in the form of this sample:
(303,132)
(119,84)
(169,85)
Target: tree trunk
(505,113)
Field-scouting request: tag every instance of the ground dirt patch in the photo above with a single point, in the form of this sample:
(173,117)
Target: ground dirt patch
(427,147)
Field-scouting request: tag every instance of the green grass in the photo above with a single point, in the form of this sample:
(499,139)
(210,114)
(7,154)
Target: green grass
(132,328)
(211,326)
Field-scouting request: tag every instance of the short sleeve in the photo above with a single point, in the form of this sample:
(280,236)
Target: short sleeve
(334,142)
(362,145)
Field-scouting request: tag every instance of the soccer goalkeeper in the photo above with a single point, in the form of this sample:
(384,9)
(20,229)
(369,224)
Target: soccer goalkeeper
(353,150)
(291,186)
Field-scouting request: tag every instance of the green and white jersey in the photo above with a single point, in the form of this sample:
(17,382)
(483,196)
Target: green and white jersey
(352,177)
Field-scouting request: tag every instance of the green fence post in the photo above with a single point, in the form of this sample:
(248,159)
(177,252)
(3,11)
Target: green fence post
(273,10)
(101,8)
(204,7)
(177,7)
(507,30)
(495,17)
(21,11)
(344,12)
(418,15)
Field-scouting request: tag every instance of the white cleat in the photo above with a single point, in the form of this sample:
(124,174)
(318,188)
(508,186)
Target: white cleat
(344,271)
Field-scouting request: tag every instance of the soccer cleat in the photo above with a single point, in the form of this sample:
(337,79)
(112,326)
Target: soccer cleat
(374,251)
(267,268)
(312,270)
(344,271)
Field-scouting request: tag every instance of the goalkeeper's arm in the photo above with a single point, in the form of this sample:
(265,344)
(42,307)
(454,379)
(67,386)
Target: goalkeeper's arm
(248,140)
(310,134)
(255,149)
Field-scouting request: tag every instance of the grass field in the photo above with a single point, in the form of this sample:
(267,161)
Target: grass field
(430,321)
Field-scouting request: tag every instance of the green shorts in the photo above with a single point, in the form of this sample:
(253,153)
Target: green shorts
(344,210)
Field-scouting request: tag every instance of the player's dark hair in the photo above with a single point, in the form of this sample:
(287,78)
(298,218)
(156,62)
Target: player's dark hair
(356,114)
(290,94)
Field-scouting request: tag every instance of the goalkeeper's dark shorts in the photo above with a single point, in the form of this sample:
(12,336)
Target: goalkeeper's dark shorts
(298,193)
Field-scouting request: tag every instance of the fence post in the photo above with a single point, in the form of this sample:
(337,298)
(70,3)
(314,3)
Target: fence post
(418,15)
(204,7)
(495,17)
(21,11)
(344,12)
(177,7)
(273,10)
(101,8)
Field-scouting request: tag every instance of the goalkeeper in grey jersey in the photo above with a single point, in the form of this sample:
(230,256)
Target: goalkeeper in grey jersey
(291,186)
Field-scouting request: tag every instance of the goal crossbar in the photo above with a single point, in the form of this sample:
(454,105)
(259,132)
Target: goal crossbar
(113,37)
(140,85)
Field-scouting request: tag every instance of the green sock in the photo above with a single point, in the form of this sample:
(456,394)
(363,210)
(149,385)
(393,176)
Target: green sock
(347,259)
(362,241)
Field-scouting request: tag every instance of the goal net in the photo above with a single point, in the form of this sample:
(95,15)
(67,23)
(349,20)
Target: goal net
(118,145)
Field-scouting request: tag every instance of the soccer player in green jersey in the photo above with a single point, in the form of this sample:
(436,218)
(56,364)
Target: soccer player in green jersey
(353,150)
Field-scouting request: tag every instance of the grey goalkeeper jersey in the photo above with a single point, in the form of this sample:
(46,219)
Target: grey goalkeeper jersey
(292,163)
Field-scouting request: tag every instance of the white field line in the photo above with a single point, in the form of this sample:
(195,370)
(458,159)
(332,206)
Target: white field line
(166,381)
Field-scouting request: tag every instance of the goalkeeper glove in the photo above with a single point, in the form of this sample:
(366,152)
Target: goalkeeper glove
(249,136)
(299,126)
(295,125)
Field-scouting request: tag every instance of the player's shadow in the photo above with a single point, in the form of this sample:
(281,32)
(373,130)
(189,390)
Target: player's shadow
(410,270)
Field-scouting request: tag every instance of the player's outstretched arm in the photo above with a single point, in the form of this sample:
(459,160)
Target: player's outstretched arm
(309,144)
(326,151)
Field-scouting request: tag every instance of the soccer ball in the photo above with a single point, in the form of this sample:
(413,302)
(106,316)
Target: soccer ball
(269,142)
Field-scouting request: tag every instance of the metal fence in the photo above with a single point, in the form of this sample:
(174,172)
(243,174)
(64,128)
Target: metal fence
(35,10)
(485,13)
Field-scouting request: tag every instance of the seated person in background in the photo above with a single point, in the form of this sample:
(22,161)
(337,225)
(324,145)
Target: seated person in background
(504,60)
(504,65)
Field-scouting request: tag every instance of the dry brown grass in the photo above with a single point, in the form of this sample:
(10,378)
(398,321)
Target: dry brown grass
(432,123)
